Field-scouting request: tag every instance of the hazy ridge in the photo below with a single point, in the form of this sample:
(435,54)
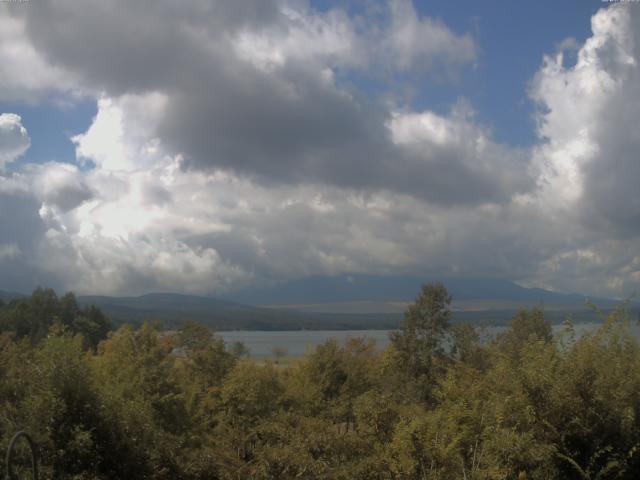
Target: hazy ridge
(340,302)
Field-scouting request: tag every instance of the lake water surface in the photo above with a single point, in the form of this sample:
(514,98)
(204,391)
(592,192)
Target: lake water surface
(299,342)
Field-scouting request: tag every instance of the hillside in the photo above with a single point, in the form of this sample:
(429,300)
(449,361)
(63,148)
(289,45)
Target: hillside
(173,309)
(350,288)
(339,303)
(371,291)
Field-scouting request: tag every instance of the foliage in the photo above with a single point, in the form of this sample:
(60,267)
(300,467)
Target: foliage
(418,345)
(439,403)
(33,317)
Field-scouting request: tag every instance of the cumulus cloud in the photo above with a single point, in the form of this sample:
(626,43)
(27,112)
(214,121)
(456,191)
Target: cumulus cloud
(303,35)
(230,147)
(25,74)
(589,154)
(259,89)
(14,139)
(20,235)
(590,149)
(453,160)
(218,231)
(415,42)
(122,135)
(59,186)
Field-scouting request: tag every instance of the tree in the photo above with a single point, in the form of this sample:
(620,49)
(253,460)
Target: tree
(418,345)
(209,361)
(92,324)
(239,349)
(251,392)
(527,326)
(143,401)
(466,346)
(33,317)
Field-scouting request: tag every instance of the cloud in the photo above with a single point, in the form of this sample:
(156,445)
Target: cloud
(462,166)
(25,74)
(20,235)
(261,90)
(590,150)
(59,186)
(14,139)
(329,39)
(219,231)
(154,228)
(122,135)
(452,160)
(231,146)
(412,41)
(9,251)
(589,155)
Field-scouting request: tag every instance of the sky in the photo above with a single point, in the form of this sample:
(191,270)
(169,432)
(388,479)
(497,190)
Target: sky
(206,146)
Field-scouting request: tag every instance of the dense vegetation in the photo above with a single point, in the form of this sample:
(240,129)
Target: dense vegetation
(437,404)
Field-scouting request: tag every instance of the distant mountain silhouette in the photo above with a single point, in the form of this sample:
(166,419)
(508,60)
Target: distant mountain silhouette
(358,288)
(8,296)
(172,309)
(339,302)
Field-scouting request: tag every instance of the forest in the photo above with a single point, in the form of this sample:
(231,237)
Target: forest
(440,403)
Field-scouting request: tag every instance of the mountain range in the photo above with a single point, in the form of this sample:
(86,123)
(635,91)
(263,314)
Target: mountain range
(349,289)
(339,302)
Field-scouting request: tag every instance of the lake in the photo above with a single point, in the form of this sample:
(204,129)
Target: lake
(299,342)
